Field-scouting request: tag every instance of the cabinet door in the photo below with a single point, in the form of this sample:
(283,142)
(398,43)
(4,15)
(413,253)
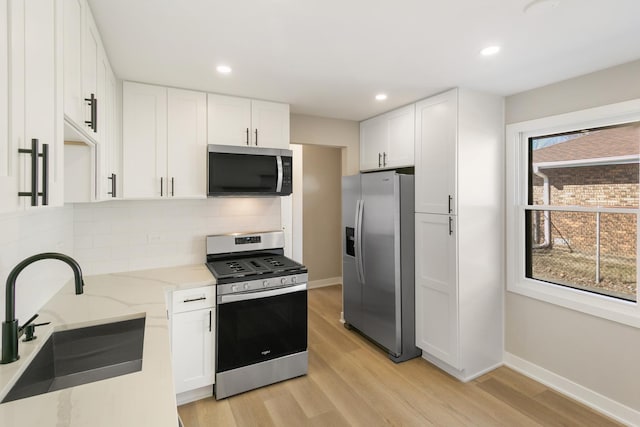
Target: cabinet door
(144,141)
(107,151)
(193,349)
(90,63)
(229,120)
(374,135)
(72,28)
(436,287)
(400,149)
(8,149)
(436,140)
(270,121)
(187,143)
(41,86)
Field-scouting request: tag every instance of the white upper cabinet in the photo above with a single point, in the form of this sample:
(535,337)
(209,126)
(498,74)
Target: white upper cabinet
(164,142)
(387,141)
(34,109)
(187,143)
(84,83)
(242,121)
(108,164)
(144,141)
(8,176)
(229,120)
(436,139)
(74,11)
(270,121)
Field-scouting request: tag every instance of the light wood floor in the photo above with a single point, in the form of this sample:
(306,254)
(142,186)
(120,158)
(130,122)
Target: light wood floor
(352,383)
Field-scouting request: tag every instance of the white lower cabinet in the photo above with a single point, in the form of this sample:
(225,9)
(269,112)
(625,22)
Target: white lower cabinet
(437,287)
(193,342)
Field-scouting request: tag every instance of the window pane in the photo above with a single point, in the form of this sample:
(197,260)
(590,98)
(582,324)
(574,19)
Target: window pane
(588,168)
(593,251)
(584,250)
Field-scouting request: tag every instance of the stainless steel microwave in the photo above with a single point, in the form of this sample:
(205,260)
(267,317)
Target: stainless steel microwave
(248,171)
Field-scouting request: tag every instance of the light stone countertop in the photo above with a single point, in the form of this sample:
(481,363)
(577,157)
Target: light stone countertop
(145,398)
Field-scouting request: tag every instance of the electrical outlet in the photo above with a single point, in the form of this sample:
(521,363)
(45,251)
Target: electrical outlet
(154,237)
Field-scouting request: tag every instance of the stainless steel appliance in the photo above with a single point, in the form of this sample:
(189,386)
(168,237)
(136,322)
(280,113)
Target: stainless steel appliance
(261,327)
(378,260)
(249,171)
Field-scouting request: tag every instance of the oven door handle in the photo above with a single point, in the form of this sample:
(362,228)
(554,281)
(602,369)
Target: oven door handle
(223,299)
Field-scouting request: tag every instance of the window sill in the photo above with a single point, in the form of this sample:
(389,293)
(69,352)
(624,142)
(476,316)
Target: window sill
(616,310)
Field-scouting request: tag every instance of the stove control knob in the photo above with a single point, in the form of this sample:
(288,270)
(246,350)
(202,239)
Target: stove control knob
(246,286)
(234,288)
(265,284)
(294,279)
(283,280)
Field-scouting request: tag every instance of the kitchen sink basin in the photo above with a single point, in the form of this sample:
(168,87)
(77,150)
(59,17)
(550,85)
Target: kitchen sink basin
(80,356)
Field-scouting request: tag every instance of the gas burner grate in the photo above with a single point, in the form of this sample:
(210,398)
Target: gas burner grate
(274,262)
(236,267)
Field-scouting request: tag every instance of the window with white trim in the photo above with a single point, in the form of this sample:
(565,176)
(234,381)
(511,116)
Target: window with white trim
(574,181)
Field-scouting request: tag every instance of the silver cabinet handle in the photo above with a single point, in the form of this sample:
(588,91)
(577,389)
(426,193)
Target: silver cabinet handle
(172,187)
(384,159)
(247,136)
(379,159)
(256,137)
(161,186)
(450,226)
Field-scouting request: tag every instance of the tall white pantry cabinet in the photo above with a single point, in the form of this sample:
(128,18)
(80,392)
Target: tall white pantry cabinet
(459,231)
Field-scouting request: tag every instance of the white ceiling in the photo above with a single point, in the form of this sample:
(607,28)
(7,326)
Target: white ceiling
(330,57)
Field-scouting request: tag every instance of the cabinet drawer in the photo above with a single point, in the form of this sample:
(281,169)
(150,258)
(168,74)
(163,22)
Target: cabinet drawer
(194,299)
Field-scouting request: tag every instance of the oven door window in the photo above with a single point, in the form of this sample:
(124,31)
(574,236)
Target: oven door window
(242,173)
(261,329)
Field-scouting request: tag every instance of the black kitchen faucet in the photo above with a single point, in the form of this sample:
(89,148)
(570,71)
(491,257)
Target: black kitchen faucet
(10,330)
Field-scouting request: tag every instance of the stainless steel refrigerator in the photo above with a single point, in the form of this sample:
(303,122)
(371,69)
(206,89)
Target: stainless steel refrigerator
(378,260)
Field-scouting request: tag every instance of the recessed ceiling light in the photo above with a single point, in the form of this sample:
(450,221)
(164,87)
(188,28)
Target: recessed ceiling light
(490,50)
(381,96)
(223,69)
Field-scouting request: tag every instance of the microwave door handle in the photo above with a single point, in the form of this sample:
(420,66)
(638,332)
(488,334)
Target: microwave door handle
(279,183)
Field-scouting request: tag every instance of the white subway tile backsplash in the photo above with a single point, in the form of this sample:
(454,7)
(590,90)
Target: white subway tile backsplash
(121,236)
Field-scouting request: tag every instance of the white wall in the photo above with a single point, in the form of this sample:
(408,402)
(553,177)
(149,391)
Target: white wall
(594,354)
(25,234)
(134,235)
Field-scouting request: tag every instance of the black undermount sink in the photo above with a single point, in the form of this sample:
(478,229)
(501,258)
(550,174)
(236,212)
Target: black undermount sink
(80,356)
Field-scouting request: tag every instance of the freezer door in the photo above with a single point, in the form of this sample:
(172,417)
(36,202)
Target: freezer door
(380,291)
(351,285)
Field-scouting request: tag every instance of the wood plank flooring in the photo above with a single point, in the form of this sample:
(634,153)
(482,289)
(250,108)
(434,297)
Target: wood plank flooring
(351,382)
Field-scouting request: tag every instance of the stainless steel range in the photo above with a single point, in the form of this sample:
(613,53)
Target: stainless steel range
(261,327)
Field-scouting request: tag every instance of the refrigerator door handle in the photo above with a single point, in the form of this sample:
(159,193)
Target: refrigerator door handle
(358,242)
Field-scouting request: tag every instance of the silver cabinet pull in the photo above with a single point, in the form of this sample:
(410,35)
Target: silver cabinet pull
(247,136)
(161,186)
(379,159)
(384,159)
(450,198)
(256,137)
(172,187)
(450,226)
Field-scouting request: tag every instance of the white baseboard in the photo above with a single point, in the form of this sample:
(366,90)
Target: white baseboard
(456,373)
(600,403)
(193,395)
(324,282)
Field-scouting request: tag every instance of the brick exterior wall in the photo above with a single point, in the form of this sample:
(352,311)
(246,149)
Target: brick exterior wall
(604,186)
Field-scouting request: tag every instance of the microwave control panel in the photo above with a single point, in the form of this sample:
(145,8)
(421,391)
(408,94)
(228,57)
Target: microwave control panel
(287,173)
